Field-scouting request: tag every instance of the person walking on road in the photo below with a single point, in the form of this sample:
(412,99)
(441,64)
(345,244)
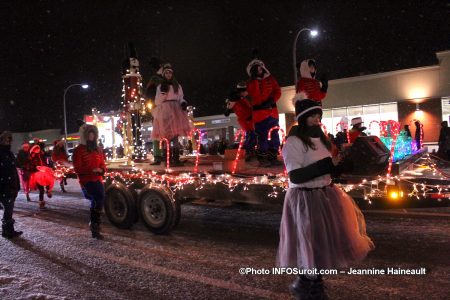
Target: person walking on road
(89,164)
(321,226)
(9,185)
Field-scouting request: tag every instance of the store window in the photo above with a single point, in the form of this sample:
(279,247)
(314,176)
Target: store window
(376,112)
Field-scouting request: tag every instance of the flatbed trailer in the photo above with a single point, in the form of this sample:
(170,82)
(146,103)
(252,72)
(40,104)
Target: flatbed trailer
(155,194)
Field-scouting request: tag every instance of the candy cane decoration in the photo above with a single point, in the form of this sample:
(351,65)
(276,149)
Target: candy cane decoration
(370,126)
(200,134)
(242,133)
(167,152)
(283,141)
(383,125)
(395,130)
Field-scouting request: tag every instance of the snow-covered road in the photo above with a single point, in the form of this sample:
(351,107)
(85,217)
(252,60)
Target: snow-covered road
(57,259)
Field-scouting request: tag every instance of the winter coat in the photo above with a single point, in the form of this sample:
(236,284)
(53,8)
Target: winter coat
(9,179)
(243,110)
(264,93)
(85,161)
(22,158)
(59,156)
(311,86)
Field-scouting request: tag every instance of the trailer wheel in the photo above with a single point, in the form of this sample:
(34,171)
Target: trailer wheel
(120,206)
(158,211)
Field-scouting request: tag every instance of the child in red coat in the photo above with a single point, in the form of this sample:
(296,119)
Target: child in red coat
(89,164)
(241,106)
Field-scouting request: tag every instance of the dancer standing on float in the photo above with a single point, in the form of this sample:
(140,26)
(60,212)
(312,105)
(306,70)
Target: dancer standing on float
(150,92)
(264,92)
(170,119)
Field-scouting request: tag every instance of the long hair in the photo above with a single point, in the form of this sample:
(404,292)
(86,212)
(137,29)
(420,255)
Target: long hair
(302,134)
(172,82)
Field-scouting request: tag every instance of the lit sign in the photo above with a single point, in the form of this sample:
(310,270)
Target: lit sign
(199,123)
(220,121)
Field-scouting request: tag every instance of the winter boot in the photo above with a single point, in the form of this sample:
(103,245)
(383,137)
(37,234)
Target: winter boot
(301,288)
(49,193)
(263,160)
(317,291)
(249,156)
(272,157)
(28,197)
(8,229)
(42,204)
(95,223)
(61,184)
(157,161)
(41,201)
(175,158)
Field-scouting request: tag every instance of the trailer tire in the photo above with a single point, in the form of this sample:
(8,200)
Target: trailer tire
(120,206)
(158,211)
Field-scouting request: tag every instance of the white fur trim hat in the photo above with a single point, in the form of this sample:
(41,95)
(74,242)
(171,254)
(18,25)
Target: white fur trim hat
(256,62)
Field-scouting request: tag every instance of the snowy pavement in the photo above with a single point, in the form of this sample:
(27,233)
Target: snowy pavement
(200,259)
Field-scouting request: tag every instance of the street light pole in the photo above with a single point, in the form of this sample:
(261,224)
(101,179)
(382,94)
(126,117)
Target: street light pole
(84,86)
(294,48)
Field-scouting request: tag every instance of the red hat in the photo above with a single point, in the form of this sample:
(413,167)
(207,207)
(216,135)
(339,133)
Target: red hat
(35,149)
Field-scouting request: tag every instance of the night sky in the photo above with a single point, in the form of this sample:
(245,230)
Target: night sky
(47,45)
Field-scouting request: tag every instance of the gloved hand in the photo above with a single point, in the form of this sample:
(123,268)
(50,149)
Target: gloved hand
(324,81)
(184,105)
(164,87)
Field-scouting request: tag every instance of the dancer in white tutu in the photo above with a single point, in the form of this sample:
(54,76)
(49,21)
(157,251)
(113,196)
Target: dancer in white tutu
(321,226)
(170,119)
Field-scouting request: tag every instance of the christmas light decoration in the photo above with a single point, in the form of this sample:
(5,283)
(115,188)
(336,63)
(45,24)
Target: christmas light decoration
(200,134)
(164,140)
(283,141)
(241,142)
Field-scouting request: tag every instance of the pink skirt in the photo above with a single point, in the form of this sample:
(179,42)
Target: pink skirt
(321,228)
(170,121)
(44,177)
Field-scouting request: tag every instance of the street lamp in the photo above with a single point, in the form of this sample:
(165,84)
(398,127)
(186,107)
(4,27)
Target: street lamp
(312,33)
(84,86)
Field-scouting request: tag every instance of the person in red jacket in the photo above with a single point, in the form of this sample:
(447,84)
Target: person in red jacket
(357,129)
(264,92)
(89,164)
(59,157)
(315,90)
(239,103)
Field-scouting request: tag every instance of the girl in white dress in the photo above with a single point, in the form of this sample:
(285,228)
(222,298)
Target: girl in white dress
(321,226)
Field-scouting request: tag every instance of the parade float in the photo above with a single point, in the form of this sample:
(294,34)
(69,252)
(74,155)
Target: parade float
(388,166)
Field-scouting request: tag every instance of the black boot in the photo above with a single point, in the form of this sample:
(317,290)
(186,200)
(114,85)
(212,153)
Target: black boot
(273,158)
(263,160)
(318,289)
(301,288)
(61,184)
(28,197)
(8,229)
(95,223)
(175,158)
(157,161)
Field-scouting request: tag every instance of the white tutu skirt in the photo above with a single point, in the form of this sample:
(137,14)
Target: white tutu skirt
(169,121)
(44,177)
(321,228)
